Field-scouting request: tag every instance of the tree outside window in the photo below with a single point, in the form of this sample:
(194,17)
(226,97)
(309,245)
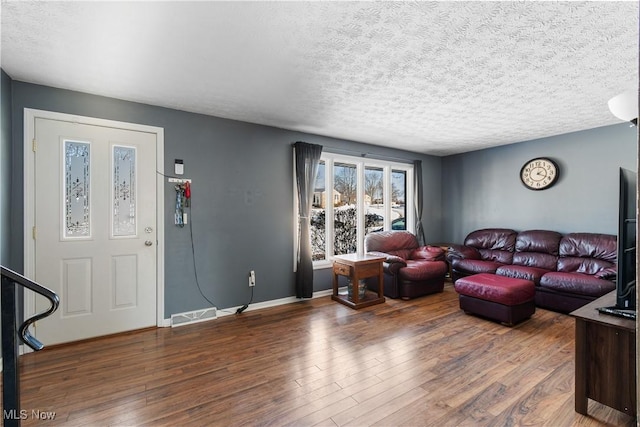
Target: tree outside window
(347,185)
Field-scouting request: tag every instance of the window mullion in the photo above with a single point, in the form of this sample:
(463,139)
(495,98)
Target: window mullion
(409,203)
(329,207)
(360,211)
(386,191)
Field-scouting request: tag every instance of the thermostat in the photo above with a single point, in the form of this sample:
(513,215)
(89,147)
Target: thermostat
(179,167)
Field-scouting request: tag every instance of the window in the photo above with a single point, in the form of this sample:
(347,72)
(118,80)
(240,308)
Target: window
(354,197)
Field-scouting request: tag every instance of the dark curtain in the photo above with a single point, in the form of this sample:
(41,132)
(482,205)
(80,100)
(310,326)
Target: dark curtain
(307,158)
(417,188)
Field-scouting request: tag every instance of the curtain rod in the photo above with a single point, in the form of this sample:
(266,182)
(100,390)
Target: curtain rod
(365,155)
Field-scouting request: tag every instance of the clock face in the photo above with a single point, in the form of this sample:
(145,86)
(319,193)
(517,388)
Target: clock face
(538,174)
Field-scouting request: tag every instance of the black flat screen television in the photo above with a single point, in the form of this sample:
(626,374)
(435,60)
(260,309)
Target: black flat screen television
(626,274)
(626,278)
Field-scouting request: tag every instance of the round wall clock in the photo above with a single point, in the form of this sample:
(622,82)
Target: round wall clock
(539,173)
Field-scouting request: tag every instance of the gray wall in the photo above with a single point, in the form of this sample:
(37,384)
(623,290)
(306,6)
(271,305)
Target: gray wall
(242,196)
(483,189)
(242,191)
(5,167)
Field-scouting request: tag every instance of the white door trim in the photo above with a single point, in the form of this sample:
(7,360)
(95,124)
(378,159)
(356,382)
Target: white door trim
(30,116)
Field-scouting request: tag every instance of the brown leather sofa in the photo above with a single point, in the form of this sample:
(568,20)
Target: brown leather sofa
(410,270)
(568,271)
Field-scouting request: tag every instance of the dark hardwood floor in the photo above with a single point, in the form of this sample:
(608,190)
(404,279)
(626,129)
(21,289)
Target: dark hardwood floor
(415,363)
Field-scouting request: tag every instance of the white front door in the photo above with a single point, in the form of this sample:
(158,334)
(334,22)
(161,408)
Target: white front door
(95,228)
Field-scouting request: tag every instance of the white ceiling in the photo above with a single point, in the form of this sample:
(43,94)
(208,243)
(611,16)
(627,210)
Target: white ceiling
(431,77)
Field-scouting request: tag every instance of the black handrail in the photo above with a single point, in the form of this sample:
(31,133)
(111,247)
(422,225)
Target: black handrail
(11,414)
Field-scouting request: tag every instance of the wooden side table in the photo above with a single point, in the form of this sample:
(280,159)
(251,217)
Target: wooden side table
(357,267)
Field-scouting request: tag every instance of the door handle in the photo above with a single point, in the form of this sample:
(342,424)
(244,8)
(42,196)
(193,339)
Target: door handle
(148,243)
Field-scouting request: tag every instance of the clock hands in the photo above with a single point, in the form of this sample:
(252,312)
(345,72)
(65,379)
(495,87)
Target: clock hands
(539,173)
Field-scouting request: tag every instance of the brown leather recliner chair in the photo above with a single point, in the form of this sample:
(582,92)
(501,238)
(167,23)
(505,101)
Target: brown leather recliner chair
(410,270)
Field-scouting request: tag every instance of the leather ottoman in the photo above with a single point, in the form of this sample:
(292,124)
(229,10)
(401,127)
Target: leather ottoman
(499,298)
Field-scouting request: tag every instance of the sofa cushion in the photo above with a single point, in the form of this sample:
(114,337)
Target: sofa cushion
(474,266)
(417,270)
(589,245)
(533,274)
(503,257)
(533,259)
(590,266)
(576,283)
(542,241)
(493,244)
(537,248)
(588,253)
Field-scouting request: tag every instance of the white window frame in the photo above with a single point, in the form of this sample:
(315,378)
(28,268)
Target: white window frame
(361,163)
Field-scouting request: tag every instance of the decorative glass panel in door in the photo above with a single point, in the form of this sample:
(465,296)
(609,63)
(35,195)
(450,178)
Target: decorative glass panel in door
(77,189)
(124,191)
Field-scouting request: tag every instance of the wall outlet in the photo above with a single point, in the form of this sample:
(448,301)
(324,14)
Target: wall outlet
(252,278)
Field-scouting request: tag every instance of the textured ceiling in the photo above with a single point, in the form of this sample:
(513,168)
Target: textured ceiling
(432,77)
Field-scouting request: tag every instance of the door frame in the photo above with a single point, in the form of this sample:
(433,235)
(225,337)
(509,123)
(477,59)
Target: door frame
(30,116)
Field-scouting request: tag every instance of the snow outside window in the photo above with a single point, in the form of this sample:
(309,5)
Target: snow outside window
(354,197)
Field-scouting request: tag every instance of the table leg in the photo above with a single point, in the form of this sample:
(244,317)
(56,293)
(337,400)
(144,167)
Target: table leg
(355,286)
(581,402)
(380,281)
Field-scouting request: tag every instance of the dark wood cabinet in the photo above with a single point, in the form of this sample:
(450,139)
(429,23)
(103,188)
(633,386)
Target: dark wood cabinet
(605,358)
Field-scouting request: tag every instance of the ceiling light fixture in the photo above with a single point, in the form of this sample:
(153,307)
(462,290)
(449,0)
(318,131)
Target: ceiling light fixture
(625,106)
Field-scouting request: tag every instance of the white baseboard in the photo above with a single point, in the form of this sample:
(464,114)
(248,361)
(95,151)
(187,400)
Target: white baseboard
(272,303)
(259,305)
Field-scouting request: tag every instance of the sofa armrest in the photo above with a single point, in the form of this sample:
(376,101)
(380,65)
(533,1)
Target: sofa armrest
(428,253)
(462,252)
(607,273)
(392,263)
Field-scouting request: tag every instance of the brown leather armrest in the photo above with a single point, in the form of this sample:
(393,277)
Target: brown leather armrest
(462,251)
(392,263)
(428,253)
